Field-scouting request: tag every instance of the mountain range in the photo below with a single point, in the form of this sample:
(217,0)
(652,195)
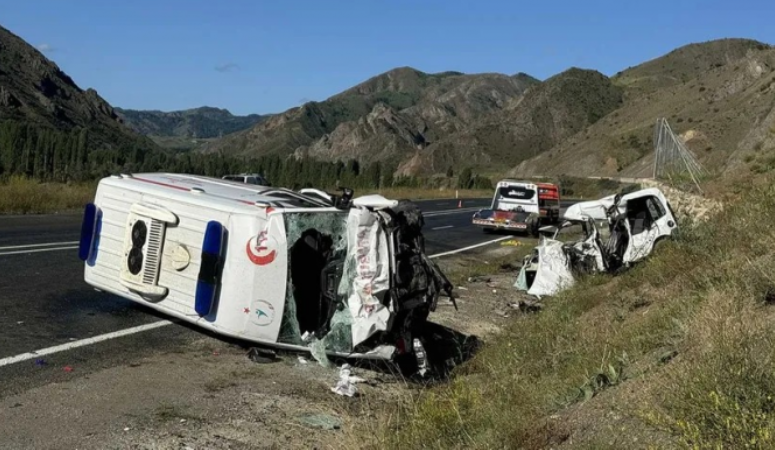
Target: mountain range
(719,96)
(35,92)
(186,128)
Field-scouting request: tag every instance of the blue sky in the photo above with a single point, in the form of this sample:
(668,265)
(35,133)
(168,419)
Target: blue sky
(257,56)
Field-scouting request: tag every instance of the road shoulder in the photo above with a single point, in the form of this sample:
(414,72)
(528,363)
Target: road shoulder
(208,394)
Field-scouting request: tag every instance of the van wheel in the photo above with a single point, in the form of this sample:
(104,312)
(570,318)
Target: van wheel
(657,245)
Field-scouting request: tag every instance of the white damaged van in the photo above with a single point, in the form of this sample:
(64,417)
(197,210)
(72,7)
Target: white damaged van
(303,271)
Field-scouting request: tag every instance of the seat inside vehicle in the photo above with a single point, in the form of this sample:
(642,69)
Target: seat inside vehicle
(638,215)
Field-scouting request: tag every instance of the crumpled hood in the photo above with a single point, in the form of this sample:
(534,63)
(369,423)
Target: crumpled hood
(594,209)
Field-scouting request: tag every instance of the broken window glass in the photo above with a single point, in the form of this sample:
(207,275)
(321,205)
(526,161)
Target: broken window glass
(655,208)
(315,240)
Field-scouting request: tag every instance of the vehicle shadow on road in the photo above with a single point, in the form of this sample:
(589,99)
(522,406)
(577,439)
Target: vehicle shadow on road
(445,349)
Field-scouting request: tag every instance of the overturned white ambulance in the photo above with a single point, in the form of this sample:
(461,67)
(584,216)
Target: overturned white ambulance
(304,271)
(637,223)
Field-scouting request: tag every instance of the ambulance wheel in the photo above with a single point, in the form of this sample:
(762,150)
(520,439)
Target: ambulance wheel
(487,230)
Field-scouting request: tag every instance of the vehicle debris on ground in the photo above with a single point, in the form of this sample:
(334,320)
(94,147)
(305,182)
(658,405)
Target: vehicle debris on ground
(345,386)
(637,223)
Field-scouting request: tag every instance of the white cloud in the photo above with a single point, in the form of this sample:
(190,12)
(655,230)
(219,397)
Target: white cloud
(46,48)
(228,67)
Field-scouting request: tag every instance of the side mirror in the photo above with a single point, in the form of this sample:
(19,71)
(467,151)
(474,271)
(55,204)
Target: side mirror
(670,223)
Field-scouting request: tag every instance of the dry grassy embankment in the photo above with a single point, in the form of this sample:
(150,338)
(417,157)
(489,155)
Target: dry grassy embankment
(20,195)
(677,352)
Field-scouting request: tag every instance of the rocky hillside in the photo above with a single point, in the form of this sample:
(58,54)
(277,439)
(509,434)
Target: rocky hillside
(204,122)
(719,96)
(34,92)
(550,112)
(385,118)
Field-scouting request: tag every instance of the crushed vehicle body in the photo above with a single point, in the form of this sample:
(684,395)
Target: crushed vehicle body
(637,222)
(520,206)
(322,273)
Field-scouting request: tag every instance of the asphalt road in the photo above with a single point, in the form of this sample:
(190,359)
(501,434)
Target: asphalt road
(46,303)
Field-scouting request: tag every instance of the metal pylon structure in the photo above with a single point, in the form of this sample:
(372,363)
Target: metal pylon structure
(671,157)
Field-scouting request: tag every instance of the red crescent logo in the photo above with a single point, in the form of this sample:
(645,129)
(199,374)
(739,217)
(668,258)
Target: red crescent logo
(257,250)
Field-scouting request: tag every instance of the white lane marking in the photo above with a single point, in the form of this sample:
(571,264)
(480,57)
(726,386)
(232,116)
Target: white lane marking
(40,250)
(443,228)
(470,247)
(36,248)
(452,211)
(47,244)
(82,342)
(125,332)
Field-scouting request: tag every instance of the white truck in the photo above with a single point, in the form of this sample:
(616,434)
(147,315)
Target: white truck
(311,271)
(520,206)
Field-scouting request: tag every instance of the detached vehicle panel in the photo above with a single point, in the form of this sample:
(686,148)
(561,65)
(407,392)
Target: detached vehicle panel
(636,223)
(325,274)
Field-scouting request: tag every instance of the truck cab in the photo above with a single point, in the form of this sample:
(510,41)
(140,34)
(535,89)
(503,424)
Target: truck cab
(549,202)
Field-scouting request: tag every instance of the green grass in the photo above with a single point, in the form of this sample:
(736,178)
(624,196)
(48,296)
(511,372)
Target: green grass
(683,344)
(20,195)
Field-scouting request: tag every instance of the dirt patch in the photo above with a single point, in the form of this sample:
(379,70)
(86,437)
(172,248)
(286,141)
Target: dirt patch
(209,394)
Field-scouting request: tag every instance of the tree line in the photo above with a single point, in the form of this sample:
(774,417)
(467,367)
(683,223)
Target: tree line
(47,154)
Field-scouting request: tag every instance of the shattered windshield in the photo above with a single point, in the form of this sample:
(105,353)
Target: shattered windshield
(315,240)
(572,232)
